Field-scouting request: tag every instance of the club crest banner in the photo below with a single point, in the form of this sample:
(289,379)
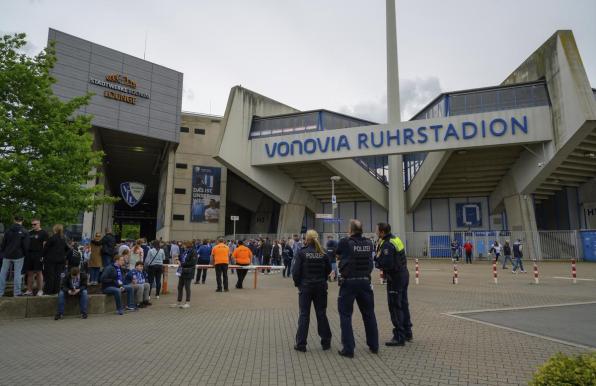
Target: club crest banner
(132,192)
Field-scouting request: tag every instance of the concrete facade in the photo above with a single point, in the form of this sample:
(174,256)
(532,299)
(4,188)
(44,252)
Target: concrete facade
(518,184)
(198,137)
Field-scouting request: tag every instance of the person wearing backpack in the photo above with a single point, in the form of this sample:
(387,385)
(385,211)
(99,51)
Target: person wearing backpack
(154,264)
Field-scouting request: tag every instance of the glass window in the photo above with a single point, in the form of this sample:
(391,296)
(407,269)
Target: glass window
(457,105)
(523,97)
(506,99)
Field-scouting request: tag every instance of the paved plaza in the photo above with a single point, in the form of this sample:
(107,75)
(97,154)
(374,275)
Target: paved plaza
(245,337)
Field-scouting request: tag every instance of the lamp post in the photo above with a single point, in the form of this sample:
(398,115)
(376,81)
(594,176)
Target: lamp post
(334,179)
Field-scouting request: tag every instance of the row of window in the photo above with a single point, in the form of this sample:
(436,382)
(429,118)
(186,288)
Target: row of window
(199,131)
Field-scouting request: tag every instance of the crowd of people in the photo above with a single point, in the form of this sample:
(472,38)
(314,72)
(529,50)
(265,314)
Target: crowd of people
(132,269)
(53,265)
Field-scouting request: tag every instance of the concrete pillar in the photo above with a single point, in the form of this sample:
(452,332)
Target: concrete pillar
(291,213)
(397,197)
(290,218)
(521,219)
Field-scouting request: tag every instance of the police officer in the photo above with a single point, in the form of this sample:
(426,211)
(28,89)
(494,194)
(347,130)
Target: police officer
(309,271)
(391,258)
(355,254)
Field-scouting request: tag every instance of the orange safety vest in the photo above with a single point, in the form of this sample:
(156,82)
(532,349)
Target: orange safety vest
(221,254)
(242,254)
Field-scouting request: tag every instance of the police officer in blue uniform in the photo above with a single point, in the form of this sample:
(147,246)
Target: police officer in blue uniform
(310,270)
(355,254)
(391,258)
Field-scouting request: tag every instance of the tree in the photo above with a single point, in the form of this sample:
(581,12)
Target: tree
(46,154)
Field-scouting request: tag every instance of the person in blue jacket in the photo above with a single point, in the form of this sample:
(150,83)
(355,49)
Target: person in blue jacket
(204,258)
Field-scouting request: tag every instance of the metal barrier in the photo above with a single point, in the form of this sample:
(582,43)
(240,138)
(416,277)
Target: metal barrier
(540,245)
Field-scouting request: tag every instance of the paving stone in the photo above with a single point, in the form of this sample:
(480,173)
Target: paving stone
(245,337)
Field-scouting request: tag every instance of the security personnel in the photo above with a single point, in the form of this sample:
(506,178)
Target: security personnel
(220,257)
(310,270)
(243,256)
(355,254)
(391,258)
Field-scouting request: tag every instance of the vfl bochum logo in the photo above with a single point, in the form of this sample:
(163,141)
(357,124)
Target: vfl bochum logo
(132,192)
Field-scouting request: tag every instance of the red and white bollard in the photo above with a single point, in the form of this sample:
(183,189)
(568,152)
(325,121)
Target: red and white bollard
(495,271)
(573,271)
(535,273)
(455,272)
(417,272)
(381,277)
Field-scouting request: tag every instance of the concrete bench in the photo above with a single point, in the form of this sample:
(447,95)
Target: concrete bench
(43,306)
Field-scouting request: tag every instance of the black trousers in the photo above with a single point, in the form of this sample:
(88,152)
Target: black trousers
(317,295)
(266,261)
(184,284)
(221,270)
(241,275)
(287,266)
(361,292)
(469,257)
(202,271)
(399,308)
(155,272)
(52,275)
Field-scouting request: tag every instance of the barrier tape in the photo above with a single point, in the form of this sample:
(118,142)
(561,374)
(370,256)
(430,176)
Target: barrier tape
(254,268)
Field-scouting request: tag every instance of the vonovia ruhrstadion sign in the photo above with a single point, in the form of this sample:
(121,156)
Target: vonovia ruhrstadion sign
(497,128)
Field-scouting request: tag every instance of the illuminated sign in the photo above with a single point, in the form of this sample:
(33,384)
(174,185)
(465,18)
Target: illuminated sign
(124,88)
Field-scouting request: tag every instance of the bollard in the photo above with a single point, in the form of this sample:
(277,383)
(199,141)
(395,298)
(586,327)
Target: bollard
(164,285)
(455,281)
(254,284)
(495,271)
(381,277)
(573,271)
(535,273)
(417,272)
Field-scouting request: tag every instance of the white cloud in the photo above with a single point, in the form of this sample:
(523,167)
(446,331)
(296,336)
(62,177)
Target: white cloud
(414,95)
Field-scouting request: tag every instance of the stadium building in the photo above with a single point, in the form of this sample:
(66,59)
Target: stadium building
(512,160)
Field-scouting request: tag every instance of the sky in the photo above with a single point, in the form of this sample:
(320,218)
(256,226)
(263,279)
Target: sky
(313,54)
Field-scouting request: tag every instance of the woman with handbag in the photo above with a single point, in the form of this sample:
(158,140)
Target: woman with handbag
(185,273)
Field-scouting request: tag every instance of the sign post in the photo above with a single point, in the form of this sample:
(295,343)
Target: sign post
(334,179)
(234,219)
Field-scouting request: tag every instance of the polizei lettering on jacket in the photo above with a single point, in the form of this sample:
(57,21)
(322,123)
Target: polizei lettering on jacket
(313,255)
(394,138)
(362,248)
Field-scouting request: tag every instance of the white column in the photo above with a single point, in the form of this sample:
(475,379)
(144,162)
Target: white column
(396,199)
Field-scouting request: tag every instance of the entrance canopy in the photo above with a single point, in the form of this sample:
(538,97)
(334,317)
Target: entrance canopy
(487,129)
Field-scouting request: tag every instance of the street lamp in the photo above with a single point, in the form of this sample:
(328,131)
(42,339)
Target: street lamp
(334,179)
